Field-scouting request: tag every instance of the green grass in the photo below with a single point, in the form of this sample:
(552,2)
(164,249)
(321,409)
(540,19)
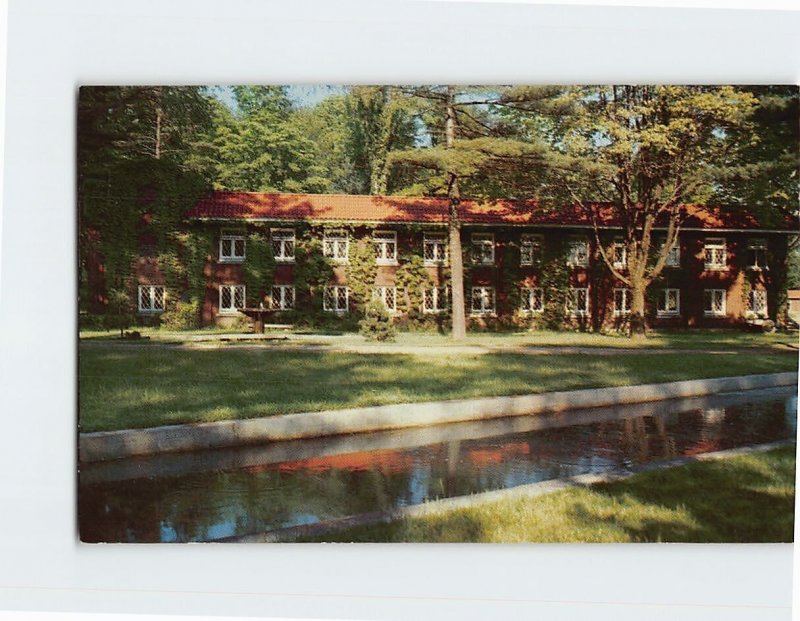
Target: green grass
(736,500)
(127,387)
(689,339)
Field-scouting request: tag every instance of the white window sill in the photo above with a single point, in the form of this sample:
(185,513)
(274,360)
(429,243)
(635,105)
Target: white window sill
(284,259)
(667,314)
(622,313)
(142,311)
(716,268)
(482,314)
(712,314)
(221,260)
(387,263)
(484,263)
(229,312)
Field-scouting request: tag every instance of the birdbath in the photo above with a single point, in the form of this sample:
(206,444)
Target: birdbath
(257,314)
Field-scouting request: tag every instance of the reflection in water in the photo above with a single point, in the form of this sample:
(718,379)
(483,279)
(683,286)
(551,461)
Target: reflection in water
(218,494)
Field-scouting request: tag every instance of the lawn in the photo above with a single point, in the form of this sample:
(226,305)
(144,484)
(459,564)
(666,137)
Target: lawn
(735,500)
(126,387)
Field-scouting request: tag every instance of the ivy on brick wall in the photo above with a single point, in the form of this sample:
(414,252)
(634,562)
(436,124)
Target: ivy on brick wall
(259,268)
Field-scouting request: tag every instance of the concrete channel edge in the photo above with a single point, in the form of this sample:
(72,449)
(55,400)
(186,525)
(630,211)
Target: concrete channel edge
(108,445)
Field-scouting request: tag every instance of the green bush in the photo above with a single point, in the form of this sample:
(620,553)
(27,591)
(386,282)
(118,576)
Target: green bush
(184,316)
(377,323)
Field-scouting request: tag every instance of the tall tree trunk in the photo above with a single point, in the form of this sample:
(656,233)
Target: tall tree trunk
(159,114)
(638,324)
(379,173)
(454,226)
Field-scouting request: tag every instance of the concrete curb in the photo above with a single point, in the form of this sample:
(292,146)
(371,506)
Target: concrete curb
(106,445)
(437,507)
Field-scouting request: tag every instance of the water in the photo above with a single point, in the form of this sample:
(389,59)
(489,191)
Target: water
(205,496)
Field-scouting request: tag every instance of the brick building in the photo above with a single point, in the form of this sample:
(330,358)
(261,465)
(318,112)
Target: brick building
(725,269)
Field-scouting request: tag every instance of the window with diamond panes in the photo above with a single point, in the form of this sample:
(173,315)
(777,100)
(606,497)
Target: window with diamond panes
(578,252)
(434,247)
(335,299)
(282,297)
(530,250)
(335,245)
(578,302)
(151,298)
(483,248)
(757,302)
(716,254)
(482,300)
(669,303)
(385,243)
(387,295)
(531,300)
(231,247)
(231,298)
(674,254)
(435,300)
(622,302)
(757,254)
(283,242)
(714,302)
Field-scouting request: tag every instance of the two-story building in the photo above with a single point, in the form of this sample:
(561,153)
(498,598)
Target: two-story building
(519,257)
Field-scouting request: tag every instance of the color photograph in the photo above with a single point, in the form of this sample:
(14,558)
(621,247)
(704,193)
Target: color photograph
(437,313)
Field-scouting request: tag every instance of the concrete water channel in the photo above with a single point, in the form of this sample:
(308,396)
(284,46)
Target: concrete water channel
(226,494)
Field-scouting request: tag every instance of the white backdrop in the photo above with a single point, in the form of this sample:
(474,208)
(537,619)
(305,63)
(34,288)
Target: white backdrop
(56,45)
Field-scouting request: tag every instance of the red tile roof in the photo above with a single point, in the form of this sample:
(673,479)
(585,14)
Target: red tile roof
(366,208)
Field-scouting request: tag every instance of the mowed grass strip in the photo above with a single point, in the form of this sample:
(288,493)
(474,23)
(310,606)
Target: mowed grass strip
(735,500)
(145,387)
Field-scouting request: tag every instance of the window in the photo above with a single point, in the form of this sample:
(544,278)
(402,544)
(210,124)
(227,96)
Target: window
(434,247)
(336,299)
(620,254)
(231,298)
(231,247)
(482,300)
(716,255)
(283,244)
(757,254)
(578,302)
(757,302)
(531,300)
(530,250)
(282,297)
(669,303)
(385,247)
(335,245)
(387,295)
(622,302)
(714,302)
(483,248)
(151,298)
(578,252)
(435,300)
(674,254)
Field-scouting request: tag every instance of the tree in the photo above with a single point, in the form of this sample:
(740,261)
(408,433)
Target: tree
(637,154)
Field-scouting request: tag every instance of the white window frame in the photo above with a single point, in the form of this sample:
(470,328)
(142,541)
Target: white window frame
(439,248)
(663,301)
(620,251)
(232,237)
(440,300)
(381,293)
(530,249)
(573,251)
(531,300)
(572,302)
(755,244)
(151,309)
(722,294)
(674,254)
(383,242)
(751,303)
(284,300)
(482,241)
(483,296)
(625,294)
(334,291)
(713,246)
(336,245)
(233,309)
(281,237)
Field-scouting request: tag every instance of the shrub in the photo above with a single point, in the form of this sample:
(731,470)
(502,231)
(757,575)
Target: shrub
(377,323)
(184,316)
